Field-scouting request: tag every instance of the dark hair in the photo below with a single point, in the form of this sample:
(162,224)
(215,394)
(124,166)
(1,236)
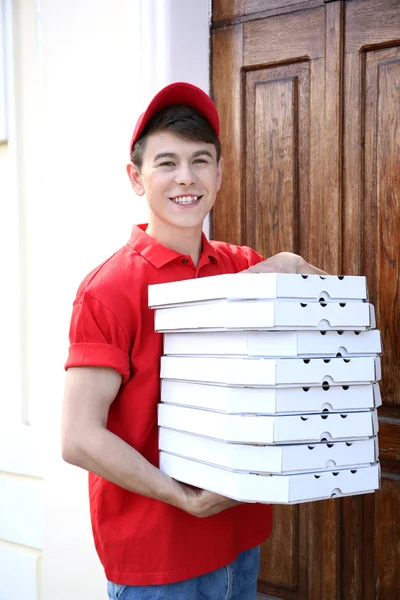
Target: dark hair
(184,121)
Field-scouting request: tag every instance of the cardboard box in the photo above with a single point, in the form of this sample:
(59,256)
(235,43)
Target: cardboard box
(271,371)
(305,344)
(269,459)
(250,286)
(226,315)
(282,489)
(264,401)
(256,429)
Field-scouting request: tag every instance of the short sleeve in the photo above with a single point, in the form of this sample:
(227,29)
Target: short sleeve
(97,339)
(253,258)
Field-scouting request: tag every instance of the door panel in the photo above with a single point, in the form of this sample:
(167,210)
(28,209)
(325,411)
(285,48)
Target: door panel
(225,10)
(285,38)
(277,150)
(387,543)
(310,109)
(280,568)
(253,6)
(381,222)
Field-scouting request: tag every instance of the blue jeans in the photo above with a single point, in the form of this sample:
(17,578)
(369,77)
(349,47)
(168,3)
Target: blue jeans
(237,581)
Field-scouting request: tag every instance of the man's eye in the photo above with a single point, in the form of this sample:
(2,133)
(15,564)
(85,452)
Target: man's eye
(166,164)
(200,160)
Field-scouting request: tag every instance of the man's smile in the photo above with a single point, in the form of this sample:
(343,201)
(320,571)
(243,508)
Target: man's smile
(185,199)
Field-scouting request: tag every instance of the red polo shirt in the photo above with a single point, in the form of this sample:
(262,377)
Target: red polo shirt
(141,541)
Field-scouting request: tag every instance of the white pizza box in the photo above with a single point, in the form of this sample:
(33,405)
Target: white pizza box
(250,286)
(274,343)
(272,489)
(226,315)
(264,401)
(272,429)
(272,371)
(290,458)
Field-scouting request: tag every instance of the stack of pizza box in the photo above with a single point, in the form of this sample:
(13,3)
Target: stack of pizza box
(269,385)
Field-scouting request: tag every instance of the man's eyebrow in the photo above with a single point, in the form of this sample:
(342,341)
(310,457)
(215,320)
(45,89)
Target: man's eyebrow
(165,155)
(202,152)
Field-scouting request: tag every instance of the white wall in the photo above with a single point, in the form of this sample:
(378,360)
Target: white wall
(21,483)
(100,63)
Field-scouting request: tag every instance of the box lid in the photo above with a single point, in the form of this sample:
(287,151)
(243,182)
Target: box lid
(290,458)
(282,489)
(271,371)
(271,400)
(224,314)
(243,286)
(274,343)
(269,429)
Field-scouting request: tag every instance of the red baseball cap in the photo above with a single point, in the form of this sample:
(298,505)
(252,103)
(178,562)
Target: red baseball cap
(178,93)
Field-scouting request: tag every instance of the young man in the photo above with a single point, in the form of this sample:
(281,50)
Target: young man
(156,537)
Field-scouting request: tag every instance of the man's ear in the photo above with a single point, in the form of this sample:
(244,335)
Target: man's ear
(135,178)
(220,171)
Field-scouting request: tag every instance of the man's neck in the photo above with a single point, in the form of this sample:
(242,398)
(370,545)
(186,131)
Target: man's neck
(185,241)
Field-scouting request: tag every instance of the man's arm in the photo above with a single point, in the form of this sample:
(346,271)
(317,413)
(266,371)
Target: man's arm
(87,443)
(285,262)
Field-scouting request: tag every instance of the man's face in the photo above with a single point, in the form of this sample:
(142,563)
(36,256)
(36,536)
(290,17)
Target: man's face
(180,178)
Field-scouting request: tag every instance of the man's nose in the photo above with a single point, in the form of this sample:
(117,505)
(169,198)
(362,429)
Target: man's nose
(185,175)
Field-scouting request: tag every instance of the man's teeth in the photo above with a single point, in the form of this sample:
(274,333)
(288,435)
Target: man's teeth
(185,199)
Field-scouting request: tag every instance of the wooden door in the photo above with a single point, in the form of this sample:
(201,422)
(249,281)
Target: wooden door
(309,98)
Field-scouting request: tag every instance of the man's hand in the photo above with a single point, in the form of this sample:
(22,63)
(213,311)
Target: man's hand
(285,262)
(201,503)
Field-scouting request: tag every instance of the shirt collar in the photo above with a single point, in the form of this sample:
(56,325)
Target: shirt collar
(158,254)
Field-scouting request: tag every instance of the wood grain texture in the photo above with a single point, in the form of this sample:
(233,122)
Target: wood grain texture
(371,23)
(272,156)
(330,209)
(381,250)
(279,566)
(254,6)
(388,198)
(314,251)
(275,162)
(389,443)
(227,221)
(285,38)
(322,561)
(388,540)
(367,550)
(325,226)
(280,8)
(350,549)
(353,142)
(226,9)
